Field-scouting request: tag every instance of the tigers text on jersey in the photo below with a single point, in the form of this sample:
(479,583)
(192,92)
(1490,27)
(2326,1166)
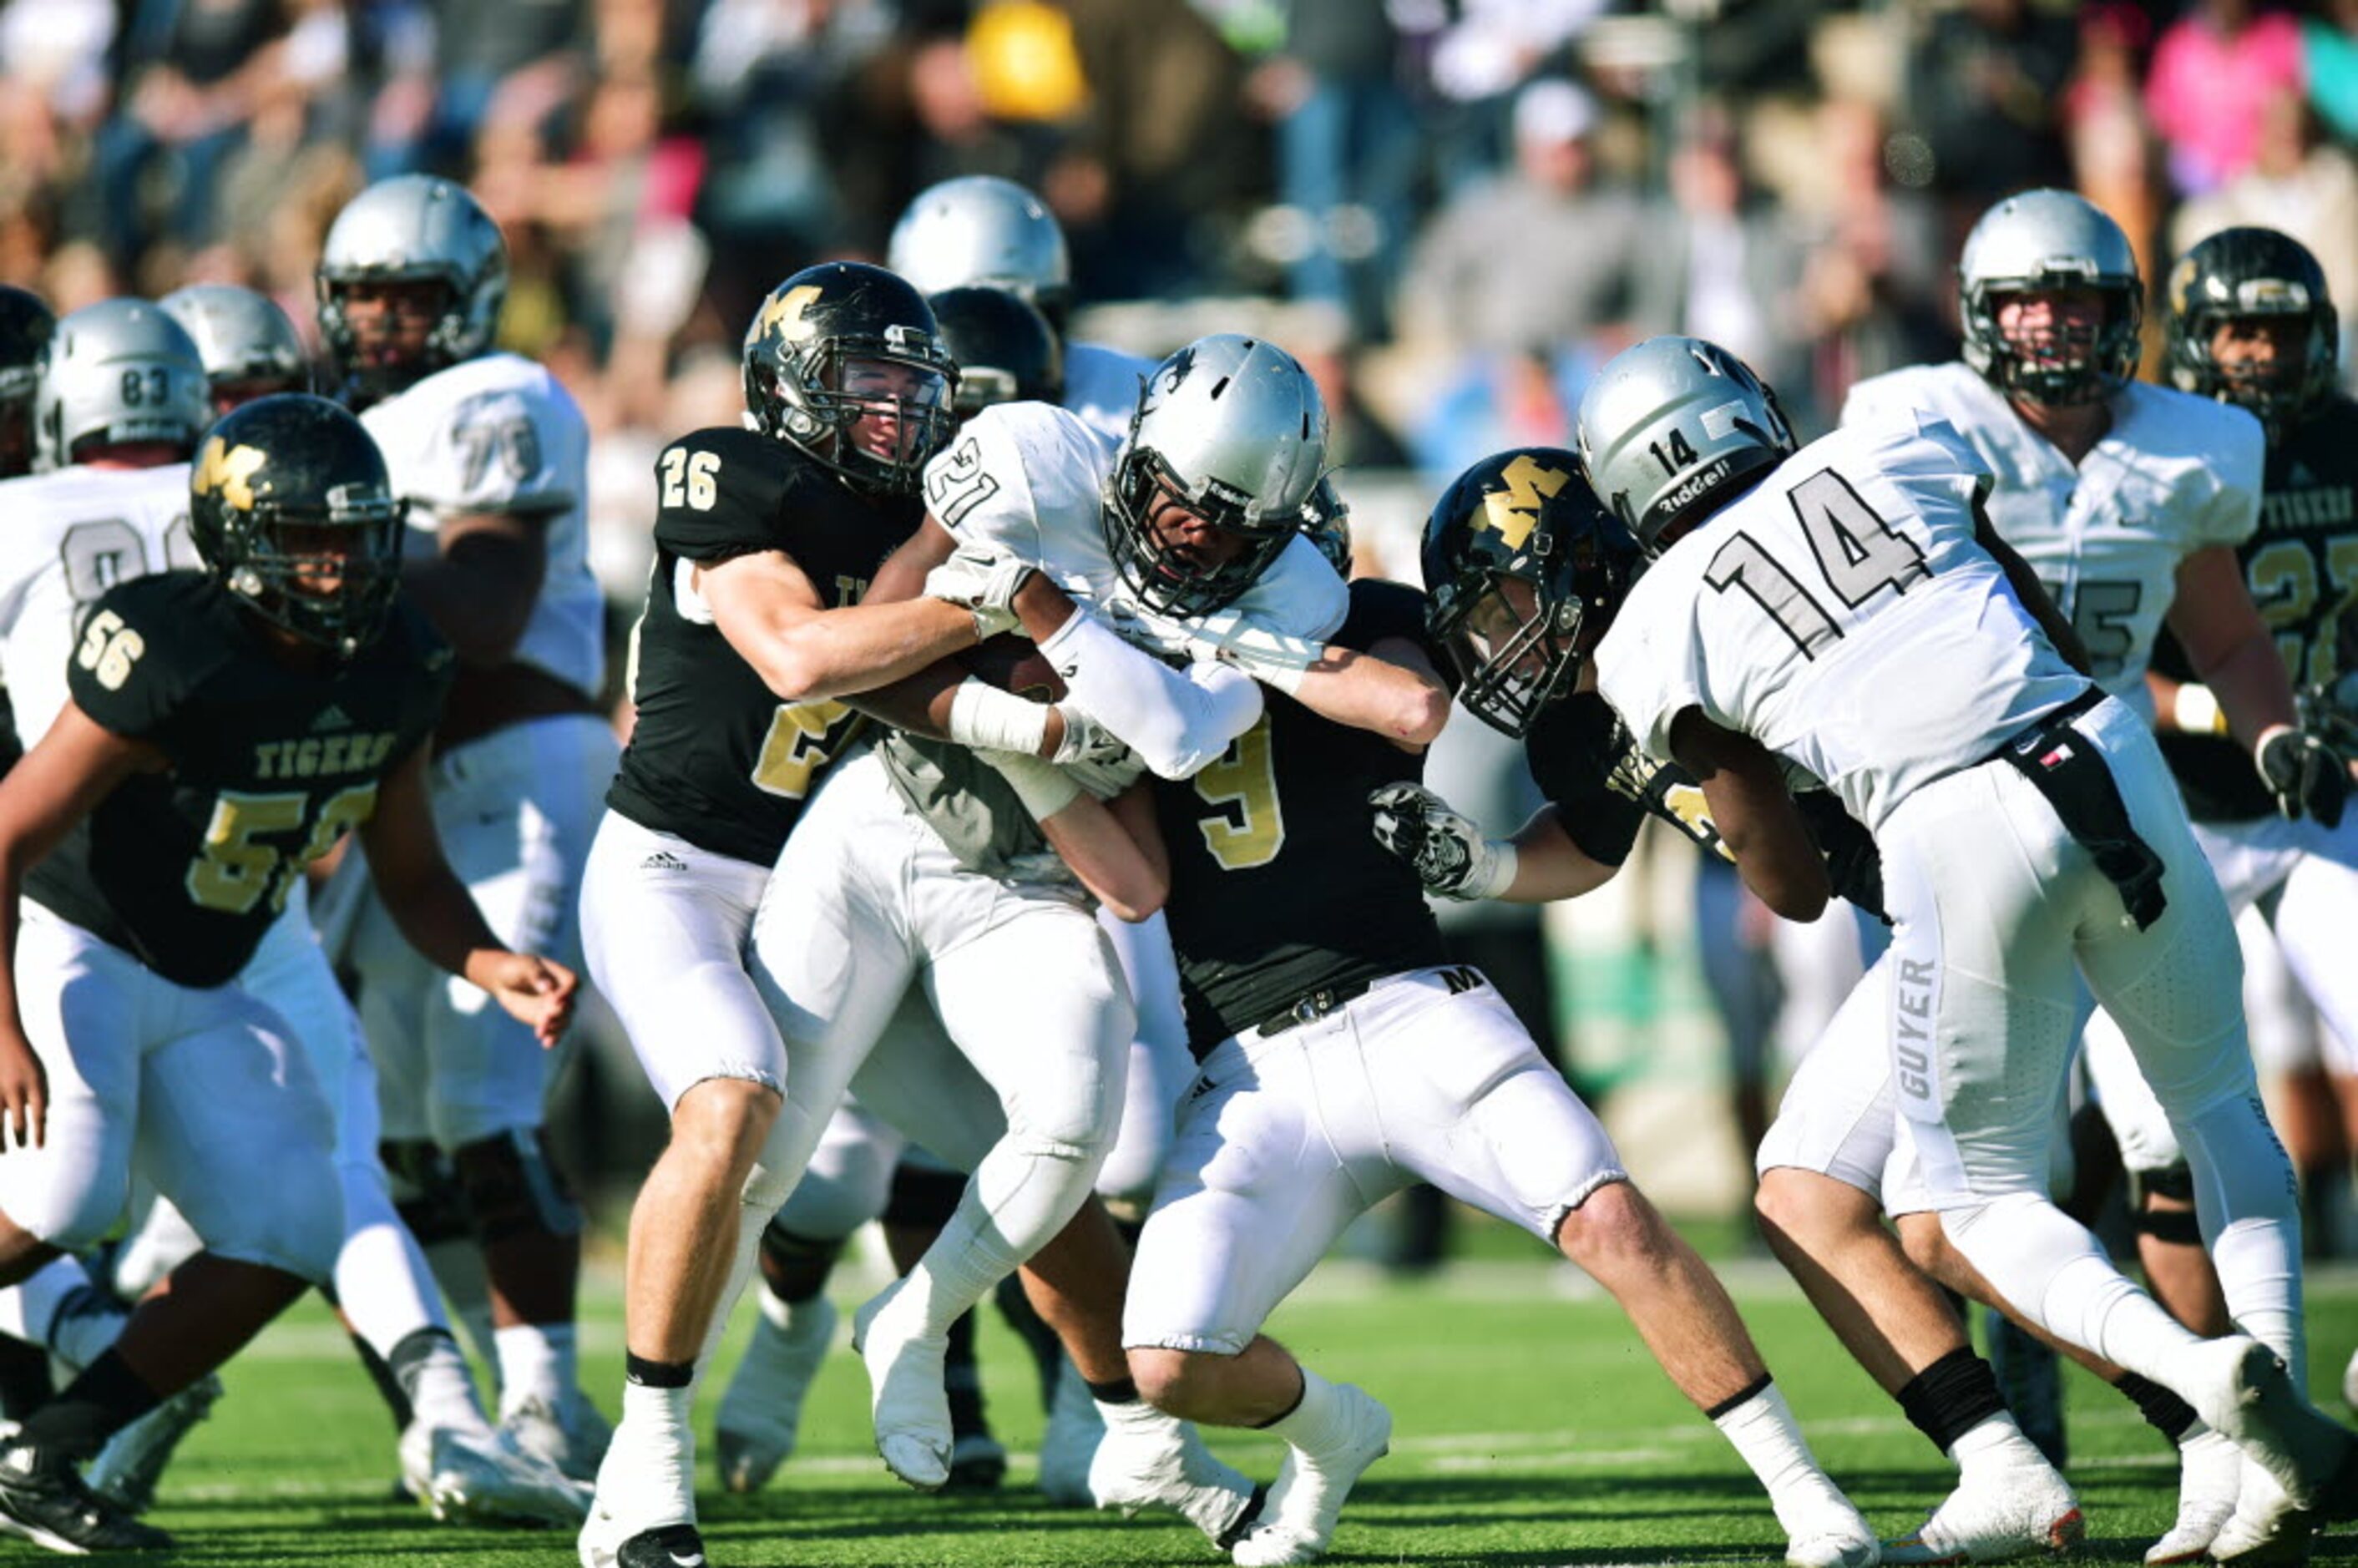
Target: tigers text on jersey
(2302,570)
(716,758)
(2174,473)
(499,434)
(1841,614)
(185,870)
(1278,886)
(72,536)
(1101,386)
(1029,478)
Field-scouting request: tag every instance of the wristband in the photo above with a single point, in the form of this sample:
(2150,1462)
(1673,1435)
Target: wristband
(1044,788)
(990,720)
(2197,710)
(1495,870)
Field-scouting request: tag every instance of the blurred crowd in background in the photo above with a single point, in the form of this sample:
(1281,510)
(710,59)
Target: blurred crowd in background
(1451,209)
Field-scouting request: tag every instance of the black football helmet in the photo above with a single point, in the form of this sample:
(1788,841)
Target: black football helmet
(1004,349)
(2237,274)
(26,324)
(833,316)
(1524,568)
(288,492)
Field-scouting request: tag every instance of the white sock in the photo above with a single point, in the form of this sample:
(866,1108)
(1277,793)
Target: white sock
(1997,1444)
(1018,1199)
(441,1392)
(781,1311)
(1762,1430)
(32,1312)
(536,1359)
(2089,1303)
(1317,1424)
(657,1451)
(2260,1269)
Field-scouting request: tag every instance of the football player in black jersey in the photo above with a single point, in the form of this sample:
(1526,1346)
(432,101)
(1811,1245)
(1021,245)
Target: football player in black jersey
(1344,1057)
(224,728)
(2251,323)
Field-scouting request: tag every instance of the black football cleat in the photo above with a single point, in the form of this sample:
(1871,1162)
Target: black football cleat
(673,1546)
(44,1499)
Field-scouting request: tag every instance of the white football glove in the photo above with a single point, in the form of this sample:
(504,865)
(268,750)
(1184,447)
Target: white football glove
(1273,659)
(982,579)
(1087,740)
(1444,849)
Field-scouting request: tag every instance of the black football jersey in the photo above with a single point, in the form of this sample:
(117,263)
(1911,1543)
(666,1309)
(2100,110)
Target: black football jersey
(186,869)
(1574,749)
(716,758)
(1278,886)
(2301,567)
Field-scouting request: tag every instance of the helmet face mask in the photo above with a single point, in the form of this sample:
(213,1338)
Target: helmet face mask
(1673,428)
(2262,295)
(2050,246)
(412,230)
(1232,432)
(1525,569)
(291,511)
(845,362)
(1326,518)
(120,372)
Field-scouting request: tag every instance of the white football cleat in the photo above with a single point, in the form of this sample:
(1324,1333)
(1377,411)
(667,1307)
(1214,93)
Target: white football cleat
(1823,1529)
(571,1436)
(128,1468)
(1150,1460)
(1997,1514)
(2264,1527)
(1299,1516)
(2210,1475)
(904,1374)
(761,1414)
(1069,1444)
(483,1476)
(2240,1388)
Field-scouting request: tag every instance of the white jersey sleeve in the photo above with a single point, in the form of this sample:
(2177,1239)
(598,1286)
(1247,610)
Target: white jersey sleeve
(71,535)
(1841,614)
(1101,386)
(499,434)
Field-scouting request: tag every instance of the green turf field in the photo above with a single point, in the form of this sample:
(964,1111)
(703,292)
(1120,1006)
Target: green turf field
(1531,1428)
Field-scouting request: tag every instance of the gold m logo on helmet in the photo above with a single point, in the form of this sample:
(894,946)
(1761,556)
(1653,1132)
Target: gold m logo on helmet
(229,469)
(783,313)
(1514,512)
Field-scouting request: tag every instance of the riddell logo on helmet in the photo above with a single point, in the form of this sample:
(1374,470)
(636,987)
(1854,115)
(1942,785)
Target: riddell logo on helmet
(1701,484)
(1225,494)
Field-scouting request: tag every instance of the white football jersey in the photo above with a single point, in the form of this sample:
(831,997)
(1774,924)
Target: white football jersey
(2174,473)
(1841,614)
(1101,386)
(1029,478)
(71,535)
(499,434)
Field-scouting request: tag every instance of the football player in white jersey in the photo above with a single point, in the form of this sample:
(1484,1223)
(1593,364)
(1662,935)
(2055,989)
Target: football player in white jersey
(116,507)
(1788,588)
(2127,499)
(490,452)
(250,347)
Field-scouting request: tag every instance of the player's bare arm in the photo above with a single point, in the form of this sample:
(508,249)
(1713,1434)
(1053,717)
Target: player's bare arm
(773,618)
(480,590)
(1391,691)
(437,916)
(1745,788)
(2030,591)
(1116,852)
(61,780)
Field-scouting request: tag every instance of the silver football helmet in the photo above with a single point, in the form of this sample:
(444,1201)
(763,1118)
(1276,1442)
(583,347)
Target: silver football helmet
(118,372)
(2047,240)
(981,230)
(1234,430)
(413,227)
(1673,428)
(250,347)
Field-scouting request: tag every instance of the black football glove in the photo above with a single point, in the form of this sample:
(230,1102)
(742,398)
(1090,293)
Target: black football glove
(1853,865)
(2308,777)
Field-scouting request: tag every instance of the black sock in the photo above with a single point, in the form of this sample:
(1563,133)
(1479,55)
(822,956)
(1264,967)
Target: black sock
(106,1398)
(657,1374)
(1121,1392)
(1951,1397)
(2168,1414)
(24,1379)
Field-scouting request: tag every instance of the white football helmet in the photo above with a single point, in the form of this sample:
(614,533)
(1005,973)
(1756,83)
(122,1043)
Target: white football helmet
(1673,428)
(2047,240)
(981,230)
(118,372)
(413,227)
(250,347)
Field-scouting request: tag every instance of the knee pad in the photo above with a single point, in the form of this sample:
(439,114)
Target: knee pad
(922,1199)
(426,1191)
(510,1187)
(2177,1227)
(789,1249)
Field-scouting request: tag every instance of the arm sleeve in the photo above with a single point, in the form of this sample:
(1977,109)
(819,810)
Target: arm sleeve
(1175,719)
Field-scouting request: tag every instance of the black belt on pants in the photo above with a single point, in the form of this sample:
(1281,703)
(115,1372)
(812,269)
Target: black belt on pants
(1312,1006)
(2065,766)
